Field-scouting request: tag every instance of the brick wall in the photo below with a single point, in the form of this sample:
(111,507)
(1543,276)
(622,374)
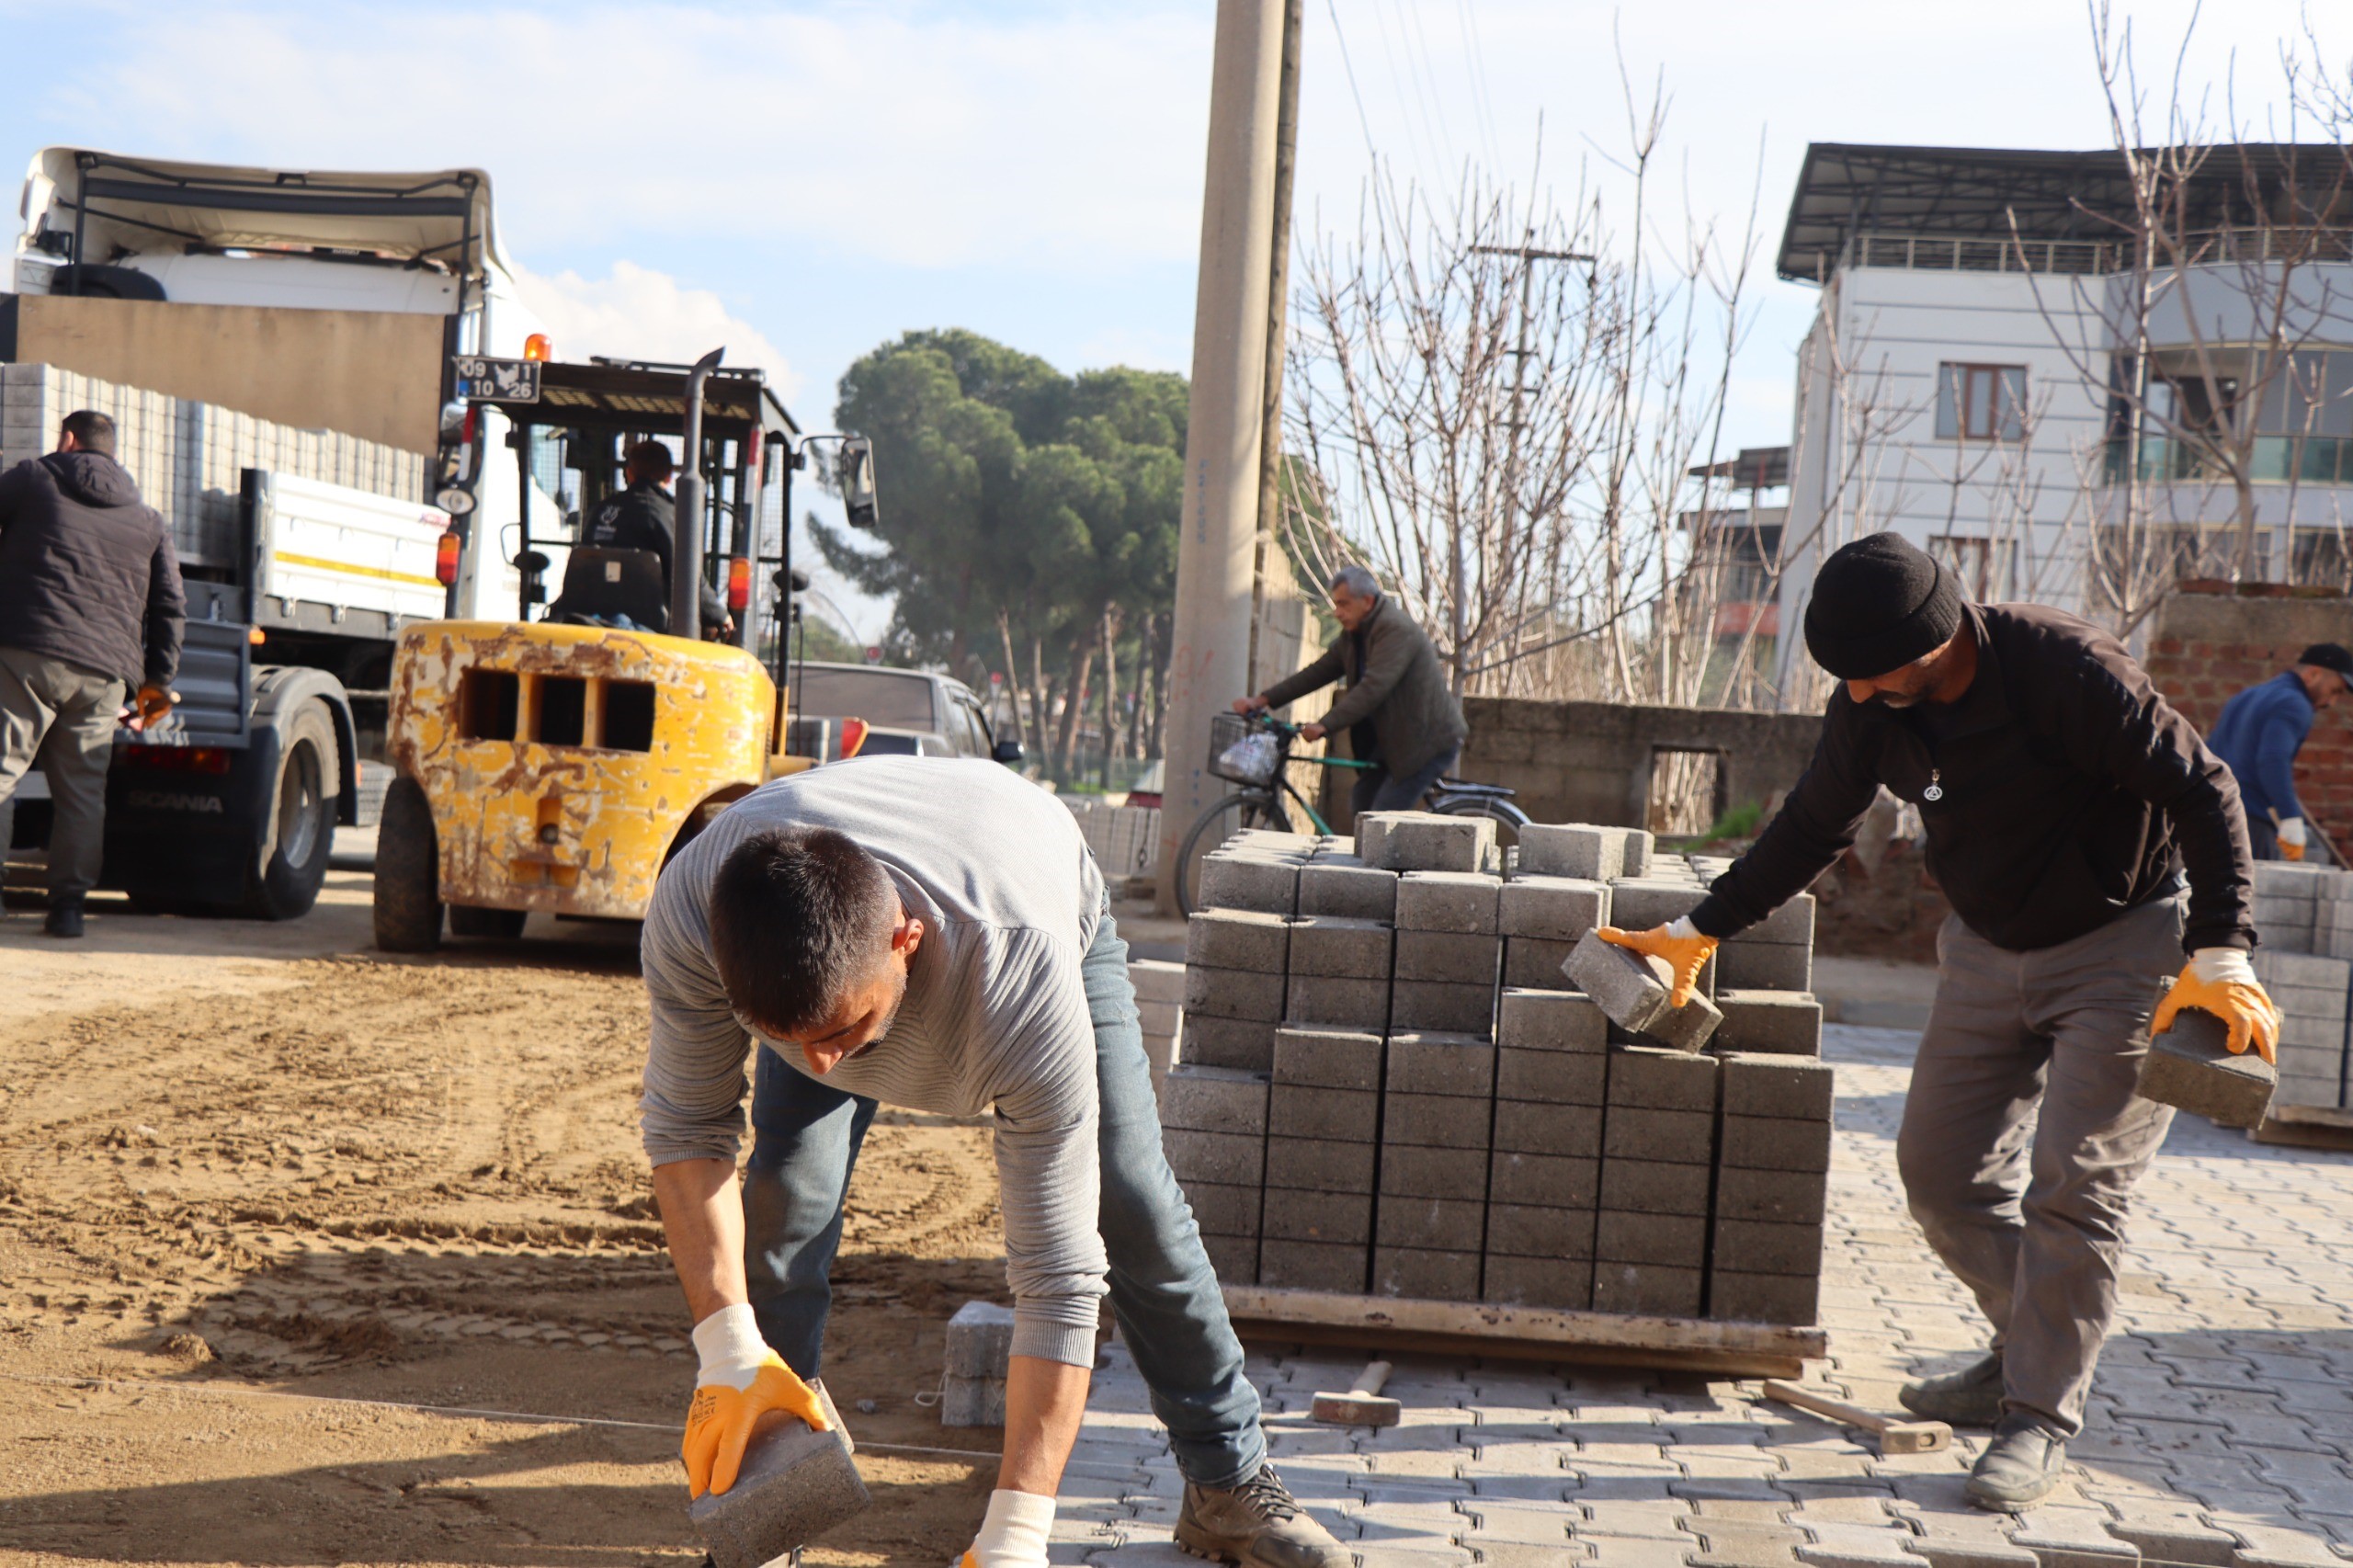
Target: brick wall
(2208,647)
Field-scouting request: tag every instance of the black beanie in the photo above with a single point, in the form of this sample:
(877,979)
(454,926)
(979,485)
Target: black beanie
(1878,604)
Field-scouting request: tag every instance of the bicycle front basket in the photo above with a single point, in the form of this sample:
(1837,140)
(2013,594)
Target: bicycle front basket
(1240,753)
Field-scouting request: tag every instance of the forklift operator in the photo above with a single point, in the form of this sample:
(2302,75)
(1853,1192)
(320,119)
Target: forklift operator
(643,517)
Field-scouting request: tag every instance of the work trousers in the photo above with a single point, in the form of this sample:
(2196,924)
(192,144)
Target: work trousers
(2022,1137)
(63,716)
(2262,837)
(1376,790)
(1163,1291)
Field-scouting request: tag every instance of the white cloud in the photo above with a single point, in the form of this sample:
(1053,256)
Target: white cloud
(635,312)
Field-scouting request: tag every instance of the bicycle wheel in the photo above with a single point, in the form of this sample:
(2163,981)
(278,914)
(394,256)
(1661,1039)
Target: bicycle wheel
(1508,819)
(1244,808)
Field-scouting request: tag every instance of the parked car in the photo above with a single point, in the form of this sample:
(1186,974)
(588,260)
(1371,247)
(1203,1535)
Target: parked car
(908,713)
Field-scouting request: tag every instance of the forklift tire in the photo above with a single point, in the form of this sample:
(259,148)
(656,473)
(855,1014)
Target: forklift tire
(471,920)
(408,872)
(304,807)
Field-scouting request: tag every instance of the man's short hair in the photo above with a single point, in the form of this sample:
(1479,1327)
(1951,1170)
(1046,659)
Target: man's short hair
(92,430)
(1358,580)
(798,916)
(650,459)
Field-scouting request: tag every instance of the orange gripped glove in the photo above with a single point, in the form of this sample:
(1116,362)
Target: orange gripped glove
(742,1380)
(152,704)
(1682,945)
(2220,981)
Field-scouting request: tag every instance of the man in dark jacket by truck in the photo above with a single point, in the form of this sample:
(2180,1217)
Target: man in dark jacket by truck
(1401,715)
(90,600)
(642,516)
(2062,800)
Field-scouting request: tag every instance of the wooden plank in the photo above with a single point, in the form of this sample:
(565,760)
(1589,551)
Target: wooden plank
(2304,1131)
(1479,1328)
(2312,1114)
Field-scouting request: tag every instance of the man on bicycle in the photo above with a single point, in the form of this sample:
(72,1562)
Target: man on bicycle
(1398,710)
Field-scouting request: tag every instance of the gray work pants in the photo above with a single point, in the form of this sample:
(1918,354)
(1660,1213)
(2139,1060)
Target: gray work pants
(2022,1137)
(64,716)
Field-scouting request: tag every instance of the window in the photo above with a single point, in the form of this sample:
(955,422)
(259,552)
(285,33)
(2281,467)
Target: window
(1981,566)
(1981,403)
(895,699)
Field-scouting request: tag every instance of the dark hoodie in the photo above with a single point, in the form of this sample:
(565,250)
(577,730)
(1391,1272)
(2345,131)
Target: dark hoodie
(86,569)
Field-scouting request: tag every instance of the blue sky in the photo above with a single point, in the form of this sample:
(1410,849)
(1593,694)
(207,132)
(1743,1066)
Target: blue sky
(806,181)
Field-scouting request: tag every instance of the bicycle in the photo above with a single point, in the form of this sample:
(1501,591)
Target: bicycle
(1266,787)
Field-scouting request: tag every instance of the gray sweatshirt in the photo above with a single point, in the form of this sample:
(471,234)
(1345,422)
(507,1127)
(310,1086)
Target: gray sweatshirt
(995,1015)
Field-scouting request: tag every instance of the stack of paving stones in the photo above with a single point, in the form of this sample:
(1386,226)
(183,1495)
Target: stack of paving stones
(1386,1084)
(2304,916)
(1160,1009)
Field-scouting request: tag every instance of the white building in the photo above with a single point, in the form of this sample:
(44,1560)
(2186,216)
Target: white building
(1977,310)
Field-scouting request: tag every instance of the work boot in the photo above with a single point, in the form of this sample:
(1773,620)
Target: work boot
(2018,1469)
(1258,1524)
(1970,1397)
(64,918)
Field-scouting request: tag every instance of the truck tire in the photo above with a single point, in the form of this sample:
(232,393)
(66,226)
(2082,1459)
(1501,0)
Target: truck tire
(471,920)
(303,810)
(408,872)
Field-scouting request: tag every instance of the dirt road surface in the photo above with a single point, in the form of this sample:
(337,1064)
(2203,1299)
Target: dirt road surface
(240,1161)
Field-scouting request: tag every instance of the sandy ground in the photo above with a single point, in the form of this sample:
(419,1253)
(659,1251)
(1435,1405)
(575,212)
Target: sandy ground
(239,1161)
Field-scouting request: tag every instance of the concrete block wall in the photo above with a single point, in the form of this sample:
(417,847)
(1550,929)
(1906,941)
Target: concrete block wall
(1124,840)
(1445,1119)
(2303,918)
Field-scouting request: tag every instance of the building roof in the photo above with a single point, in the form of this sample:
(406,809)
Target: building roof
(1846,188)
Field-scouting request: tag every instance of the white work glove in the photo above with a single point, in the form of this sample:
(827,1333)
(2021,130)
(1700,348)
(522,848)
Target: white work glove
(740,1380)
(1013,1533)
(2291,837)
(2223,966)
(1681,929)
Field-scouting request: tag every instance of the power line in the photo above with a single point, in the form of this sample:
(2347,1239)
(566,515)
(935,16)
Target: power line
(1348,69)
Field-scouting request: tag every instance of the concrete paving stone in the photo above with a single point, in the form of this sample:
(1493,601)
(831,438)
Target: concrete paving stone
(1425,1274)
(1551,1077)
(1649,1078)
(1233,993)
(1341,949)
(1536,964)
(1342,1218)
(1557,909)
(1434,1223)
(1521,1229)
(1349,891)
(1213,1099)
(1229,1210)
(1305,1110)
(1157,980)
(1237,938)
(1653,1289)
(1562,1283)
(1424,841)
(1760,1085)
(1857,1546)
(1529,1020)
(1641,903)
(1781,1023)
(2073,1538)
(2189,1067)
(1578,850)
(1327,1057)
(1657,1518)
(1679,1241)
(1793,922)
(1450,956)
(1320,1164)
(1329,999)
(1631,988)
(1775,1144)
(1468,902)
(1431,1171)
(1234,1258)
(1747,965)
(1441,1005)
(1636,1134)
(1437,1061)
(1265,884)
(1766,1246)
(1655,1186)
(1796,1197)
(1503,1523)
(1233,1159)
(2263,1544)
(1734,1297)
(1551,1181)
(1437,1121)
(1633,1551)
(1227,1043)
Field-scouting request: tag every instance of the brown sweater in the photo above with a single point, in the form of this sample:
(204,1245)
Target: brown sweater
(2059,792)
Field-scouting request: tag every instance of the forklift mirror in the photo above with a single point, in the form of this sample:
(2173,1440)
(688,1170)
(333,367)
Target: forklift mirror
(797,582)
(856,474)
(453,419)
(1009,753)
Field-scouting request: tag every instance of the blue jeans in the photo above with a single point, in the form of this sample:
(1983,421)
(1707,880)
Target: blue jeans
(1376,791)
(1163,1293)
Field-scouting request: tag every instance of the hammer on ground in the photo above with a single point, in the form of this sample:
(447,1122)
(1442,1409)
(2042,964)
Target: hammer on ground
(1894,1437)
(1362,1405)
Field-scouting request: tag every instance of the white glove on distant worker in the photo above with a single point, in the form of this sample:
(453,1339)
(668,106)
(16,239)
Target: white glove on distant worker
(1013,1533)
(2291,837)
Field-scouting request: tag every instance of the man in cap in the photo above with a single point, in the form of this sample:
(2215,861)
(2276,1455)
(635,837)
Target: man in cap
(642,516)
(2260,731)
(2062,800)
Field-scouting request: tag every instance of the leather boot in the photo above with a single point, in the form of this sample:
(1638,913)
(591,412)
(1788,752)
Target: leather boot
(2025,1460)
(1258,1525)
(1970,1397)
(64,918)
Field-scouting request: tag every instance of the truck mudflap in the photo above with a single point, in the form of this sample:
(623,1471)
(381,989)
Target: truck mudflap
(562,764)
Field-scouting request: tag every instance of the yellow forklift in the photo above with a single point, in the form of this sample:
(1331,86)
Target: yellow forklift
(556,761)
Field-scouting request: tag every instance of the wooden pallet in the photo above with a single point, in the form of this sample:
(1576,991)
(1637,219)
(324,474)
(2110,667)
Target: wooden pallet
(1477,1328)
(2306,1126)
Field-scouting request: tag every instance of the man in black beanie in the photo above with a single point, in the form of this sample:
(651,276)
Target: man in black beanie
(2062,801)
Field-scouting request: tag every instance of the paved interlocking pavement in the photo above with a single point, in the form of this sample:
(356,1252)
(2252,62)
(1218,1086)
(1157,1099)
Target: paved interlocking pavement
(2221,1432)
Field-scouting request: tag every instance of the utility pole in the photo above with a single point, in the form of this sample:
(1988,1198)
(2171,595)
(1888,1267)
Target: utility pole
(1217,549)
